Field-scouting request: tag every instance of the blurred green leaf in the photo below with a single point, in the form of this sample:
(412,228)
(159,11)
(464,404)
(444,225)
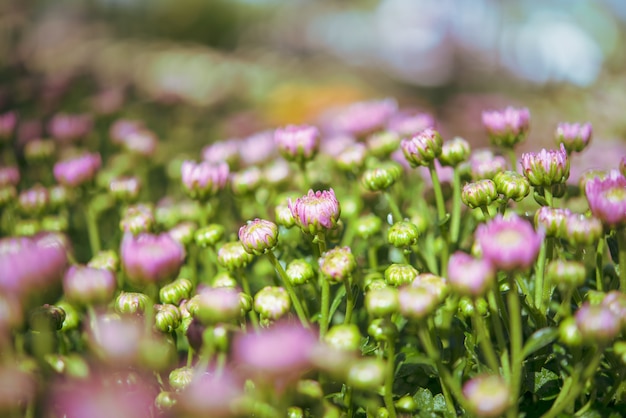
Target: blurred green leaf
(538,340)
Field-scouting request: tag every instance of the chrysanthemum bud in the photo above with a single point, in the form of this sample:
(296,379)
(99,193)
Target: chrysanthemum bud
(165,401)
(484,164)
(232,256)
(569,333)
(130,303)
(416,302)
(574,136)
(89,286)
(78,170)
(383,143)
(487,395)
(225,279)
(512,185)
(316,211)
(551,220)
(423,148)
(616,301)
(352,158)
(46,318)
(382,177)
(479,194)
(72,316)
(400,274)
(454,152)
(299,272)
(209,235)
(581,230)
(246,181)
(166,317)
(337,264)
(272,302)
(607,198)
(258,236)
(283,216)
(597,324)
(107,259)
(297,143)
(345,337)
(216,304)
(470,276)
(507,127)
(27,227)
(402,234)
(366,374)
(54,223)
(382,302)
(467,307)
(203,180)
(137,219)
(546,168)
(566,274)
(125,189)
(174,292)
(59,196)
(149,258)
(34,201)
(368,226)
(7,195)
(183,233)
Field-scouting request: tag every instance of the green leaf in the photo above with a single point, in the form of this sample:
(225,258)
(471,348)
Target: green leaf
(424,399)
(544,384)
(341,292)
(439,403)
(538,340)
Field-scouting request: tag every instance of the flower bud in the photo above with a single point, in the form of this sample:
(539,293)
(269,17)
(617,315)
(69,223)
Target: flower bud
(299,272)
(352,158)
(78,170)
(181,378)
(400,274)
(125,189)
(298,143)
(165,401)
(27,227)
(470,276)
(167,317)
(597,324)
(258,236)
(551,220)
(59,196)
(106,260)
(209,235)
(574,136)
(53,223)
(46,318)
(546,168)
(416,302)
(316,211)
(89,286)
(506,127)
(569,333)
(272,302)
(337,264)
(130,303)
(149,258)
(7,195)
(34,201)
(487,395)
(183,233)
(215,305)
(72,316)
(580,230)
(367,226)
(283,216)
(366,374)
(174,292)
(233,256)
(382,302)
(224,279)
(346,337)
(402,234)
(511,185)
(479,194)
(454,152)
(203,180)
(467,307)
(616,301)
(382,177)
(423,148)
(295,412)
(383,329)
(382,144)
(566,274)
(407,404)
(137,219)
(246,181)
(436,285)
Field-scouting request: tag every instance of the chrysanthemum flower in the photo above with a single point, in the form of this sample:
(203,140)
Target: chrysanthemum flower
(316,211)
(507,127)
(149,258)
(607,198)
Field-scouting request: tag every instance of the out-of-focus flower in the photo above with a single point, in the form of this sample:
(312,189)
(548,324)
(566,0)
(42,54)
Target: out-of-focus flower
(214,305)
(507,127)
(9,175)
(257,149)
(297,143)
(17,389)
(407,123)
(68,128)
(338,263)
(8,122)
(547,167)
(246,181)
(258,236)
(141,142)
(484,164)
(122,128)
(272,302)
(382,177)
(222,151)
(454,152)
(580,230)
(211,395)
(470,276)
(278,355)
(487,395)
(203,180)
(78,170)
(574,136)
(34,201)
(509,243)
(551,220)
(316,211)
(362,118)
(607,198)
(88,286)
(597,324)
(148,258)
(422,148)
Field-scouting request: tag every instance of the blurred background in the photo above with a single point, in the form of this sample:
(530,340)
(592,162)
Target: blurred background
(202,70)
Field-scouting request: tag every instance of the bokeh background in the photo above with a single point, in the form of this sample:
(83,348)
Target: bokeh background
(202,70)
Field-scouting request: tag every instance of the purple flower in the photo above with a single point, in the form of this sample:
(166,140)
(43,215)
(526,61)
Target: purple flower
(484,164)
(257,149)
(297,143)
(316,211)
(423,148)
(470,276)
(597,324)
(203,180)
(9,176)
(222,151)
(507,127)
(278,355)
(364,117)
(607,198)
(122,128)
(8,121)
(574,136)
(17,388)
(551,220)
(141,142)
(88,285)
(211,395)
(150,258)
(68,128)
(546,168)
(509,244)
(258,236)
(579,229)
(76,171)
(487,395)
(32,266)
(410,123)
(338,263)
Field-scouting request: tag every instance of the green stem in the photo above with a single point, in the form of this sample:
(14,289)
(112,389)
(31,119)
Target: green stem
(547,286)
(512,159)
(390,372)
(395,210)
(485,341)
(499,331)
(325,285)
(621,243)
(294,298)
(539,278)
(372,257)
(441,217)
(599,265)
(455,222)
(515,330)
(245,284)
(349,300)
(91,218)
(485,211)
(547,193)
